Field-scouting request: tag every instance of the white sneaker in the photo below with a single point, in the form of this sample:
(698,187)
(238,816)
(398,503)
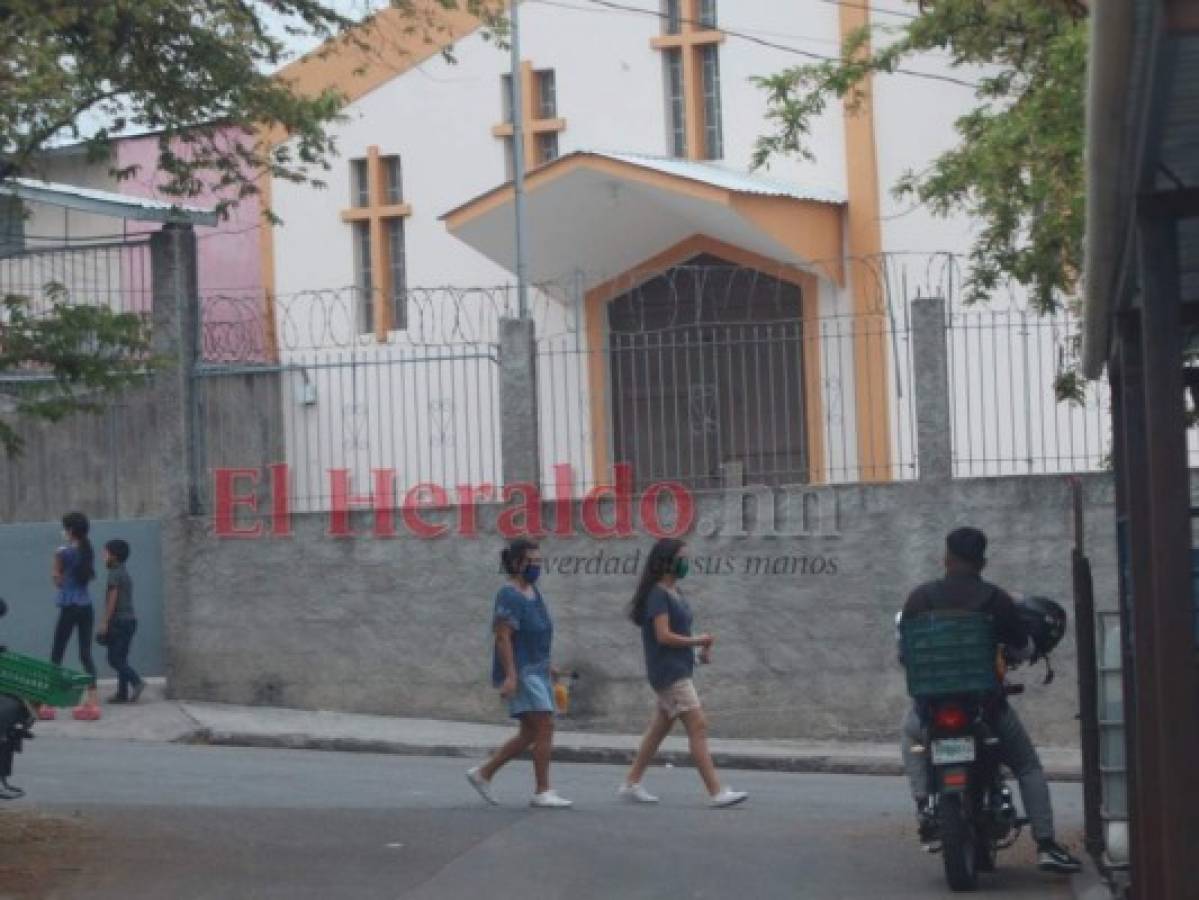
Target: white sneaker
(727,798)
(550,800)
(482,785)
(635,793)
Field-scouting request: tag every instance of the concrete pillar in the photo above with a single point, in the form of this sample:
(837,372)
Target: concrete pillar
(176,340)
(930,374)
(519,433)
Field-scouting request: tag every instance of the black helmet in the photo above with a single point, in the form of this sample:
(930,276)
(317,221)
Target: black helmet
(1045,621)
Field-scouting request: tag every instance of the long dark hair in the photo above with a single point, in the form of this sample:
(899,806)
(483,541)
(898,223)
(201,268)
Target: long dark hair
(660,562)
(77,526)
(513,557)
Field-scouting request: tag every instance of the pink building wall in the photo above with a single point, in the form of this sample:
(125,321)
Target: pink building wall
(229,263)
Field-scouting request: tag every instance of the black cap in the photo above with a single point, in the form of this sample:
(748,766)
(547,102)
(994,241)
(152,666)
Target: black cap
(968,545)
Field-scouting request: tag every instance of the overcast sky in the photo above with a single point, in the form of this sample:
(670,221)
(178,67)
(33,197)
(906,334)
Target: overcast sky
(352,8)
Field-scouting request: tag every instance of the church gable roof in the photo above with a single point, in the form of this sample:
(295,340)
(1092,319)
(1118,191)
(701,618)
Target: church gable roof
(384,47)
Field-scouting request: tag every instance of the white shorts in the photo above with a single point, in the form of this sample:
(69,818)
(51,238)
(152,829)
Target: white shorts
(678,698)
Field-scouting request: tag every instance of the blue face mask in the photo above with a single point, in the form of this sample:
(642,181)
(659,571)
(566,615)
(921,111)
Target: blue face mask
(532,573)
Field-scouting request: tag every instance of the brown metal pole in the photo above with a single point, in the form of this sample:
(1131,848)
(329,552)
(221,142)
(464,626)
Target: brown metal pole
(1171,721)
(1132,499)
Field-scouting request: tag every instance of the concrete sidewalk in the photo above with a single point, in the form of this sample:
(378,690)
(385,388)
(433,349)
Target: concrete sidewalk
(157,720)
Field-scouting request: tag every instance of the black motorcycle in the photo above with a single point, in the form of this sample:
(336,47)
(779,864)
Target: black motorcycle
(16,724)
(970,803)
(956,679)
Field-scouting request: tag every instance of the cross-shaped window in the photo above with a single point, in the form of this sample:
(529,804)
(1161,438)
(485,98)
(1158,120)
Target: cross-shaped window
(691,64)
(376,218)
(540,121)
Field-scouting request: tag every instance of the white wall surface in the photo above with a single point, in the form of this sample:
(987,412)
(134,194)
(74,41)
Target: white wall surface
(438,117)
(803,25)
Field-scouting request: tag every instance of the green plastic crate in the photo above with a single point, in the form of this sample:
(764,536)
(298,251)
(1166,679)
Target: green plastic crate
(40,682)
(949,653)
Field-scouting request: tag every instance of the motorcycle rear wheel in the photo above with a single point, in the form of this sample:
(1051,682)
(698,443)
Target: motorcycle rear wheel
(958,842)
(984,855)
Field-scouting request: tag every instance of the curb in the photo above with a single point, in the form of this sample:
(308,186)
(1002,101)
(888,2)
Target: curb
(825,765)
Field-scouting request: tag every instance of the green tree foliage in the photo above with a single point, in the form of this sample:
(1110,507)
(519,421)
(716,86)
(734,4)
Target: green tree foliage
(199,73)
(65,359)
(1017,168)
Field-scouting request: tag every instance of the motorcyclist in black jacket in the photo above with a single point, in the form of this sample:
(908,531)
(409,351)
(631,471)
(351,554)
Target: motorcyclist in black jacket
(963,588)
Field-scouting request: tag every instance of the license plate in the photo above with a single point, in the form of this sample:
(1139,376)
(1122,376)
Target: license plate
(953,750)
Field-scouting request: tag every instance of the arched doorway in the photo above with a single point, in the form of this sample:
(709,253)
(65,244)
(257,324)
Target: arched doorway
(706,377)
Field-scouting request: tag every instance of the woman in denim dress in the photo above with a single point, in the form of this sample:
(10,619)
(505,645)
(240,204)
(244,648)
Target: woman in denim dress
(521,670)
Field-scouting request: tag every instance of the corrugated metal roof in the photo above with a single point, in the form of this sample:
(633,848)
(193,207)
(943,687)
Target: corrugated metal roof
(722,177)
(106,203)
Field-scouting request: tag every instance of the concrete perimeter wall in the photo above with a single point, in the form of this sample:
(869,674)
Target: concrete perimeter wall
(104,463)
(804,625)
(100,463)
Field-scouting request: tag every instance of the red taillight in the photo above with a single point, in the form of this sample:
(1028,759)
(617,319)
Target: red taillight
(950,718)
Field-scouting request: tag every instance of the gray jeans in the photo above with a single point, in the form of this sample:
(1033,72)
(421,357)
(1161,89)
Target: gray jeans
(1017,752)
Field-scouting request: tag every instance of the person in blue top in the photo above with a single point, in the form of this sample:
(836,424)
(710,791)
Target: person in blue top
(664,617)
(521,669)
(73,569)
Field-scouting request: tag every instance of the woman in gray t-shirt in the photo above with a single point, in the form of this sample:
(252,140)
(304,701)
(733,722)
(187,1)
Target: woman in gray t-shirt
(664,617)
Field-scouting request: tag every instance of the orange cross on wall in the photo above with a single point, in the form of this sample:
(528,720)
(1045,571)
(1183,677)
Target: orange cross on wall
(377,213)
(690,41)
(532,125)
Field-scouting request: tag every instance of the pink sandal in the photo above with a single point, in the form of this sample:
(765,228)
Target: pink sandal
(89,712)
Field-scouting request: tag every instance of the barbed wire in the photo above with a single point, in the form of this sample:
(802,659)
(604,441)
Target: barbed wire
(244,324)
(247,325)
(238,326)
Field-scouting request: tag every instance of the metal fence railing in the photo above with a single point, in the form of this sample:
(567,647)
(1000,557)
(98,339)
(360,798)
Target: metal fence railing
(707,374)
(1008,419)
(111,273)
(711,374)
(422,415)
(339,407)
(793,402)
(717,404)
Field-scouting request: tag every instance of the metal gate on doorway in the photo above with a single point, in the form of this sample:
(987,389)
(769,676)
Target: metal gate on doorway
(713,375)
(706,370)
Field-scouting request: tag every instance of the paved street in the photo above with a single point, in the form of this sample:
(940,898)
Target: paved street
(199,822)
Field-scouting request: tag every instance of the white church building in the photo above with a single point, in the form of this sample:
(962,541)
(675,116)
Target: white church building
(692,312)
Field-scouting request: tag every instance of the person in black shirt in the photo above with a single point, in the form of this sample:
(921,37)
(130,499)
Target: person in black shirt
(964,589)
